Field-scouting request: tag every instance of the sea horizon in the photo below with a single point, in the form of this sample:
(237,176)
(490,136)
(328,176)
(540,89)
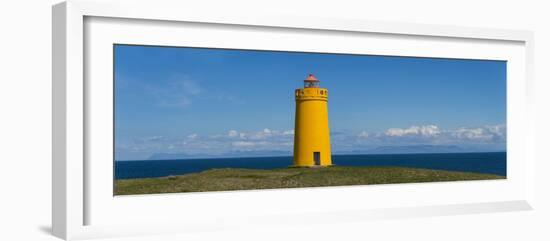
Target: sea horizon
(336,154)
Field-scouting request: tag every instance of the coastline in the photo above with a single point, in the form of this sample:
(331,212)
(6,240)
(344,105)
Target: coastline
(231,179)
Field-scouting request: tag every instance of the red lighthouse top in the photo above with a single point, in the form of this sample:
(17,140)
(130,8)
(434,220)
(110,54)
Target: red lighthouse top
(311,78)
(311,82)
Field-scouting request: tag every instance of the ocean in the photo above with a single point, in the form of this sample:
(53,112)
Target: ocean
(480,162)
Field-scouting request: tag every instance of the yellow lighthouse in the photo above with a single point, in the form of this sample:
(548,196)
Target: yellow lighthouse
(311,132)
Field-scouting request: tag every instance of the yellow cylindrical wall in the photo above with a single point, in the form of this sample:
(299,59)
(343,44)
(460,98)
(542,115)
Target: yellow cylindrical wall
(311,131)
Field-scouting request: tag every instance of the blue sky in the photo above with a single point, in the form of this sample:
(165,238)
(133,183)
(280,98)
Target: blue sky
(198,101)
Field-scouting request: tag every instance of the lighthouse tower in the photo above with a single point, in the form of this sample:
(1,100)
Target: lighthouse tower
(311,131)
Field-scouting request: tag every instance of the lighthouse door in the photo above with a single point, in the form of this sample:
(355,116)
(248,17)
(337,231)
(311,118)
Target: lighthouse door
(317,158)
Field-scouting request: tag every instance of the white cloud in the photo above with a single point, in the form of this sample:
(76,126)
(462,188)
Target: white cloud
(151,138)
(433,134)
(499,130)
(260,135)
(363,135)
(243,144)
(267,139)
(264,139)
(233,133)
(476,133)
(288,132)
(189,87)
(258,144)
(425,131)
(484,134)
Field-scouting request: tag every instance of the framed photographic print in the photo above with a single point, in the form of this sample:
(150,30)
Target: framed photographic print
(207,122)
(392,119)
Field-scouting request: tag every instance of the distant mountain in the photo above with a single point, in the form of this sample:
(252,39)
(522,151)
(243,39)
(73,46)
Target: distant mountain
(169,156)
(416,149)
(404,149)
(258,153)
(176,156)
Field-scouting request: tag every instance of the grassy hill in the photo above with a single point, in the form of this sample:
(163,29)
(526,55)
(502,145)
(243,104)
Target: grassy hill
(247,179)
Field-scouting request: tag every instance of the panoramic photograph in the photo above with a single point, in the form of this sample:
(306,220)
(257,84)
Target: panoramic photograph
(192,119)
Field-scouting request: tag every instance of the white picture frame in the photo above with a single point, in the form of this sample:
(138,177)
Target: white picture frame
(79,195)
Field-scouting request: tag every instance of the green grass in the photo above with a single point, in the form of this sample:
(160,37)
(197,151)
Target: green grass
(246,179)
